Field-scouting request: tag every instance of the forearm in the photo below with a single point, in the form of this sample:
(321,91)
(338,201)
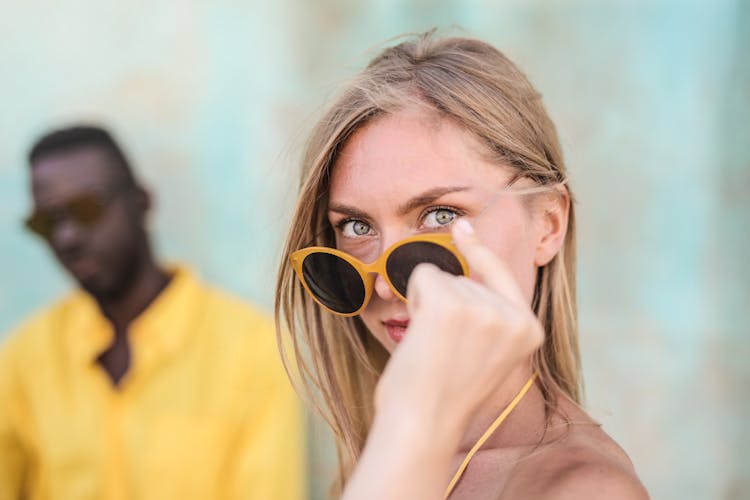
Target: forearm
(405,458)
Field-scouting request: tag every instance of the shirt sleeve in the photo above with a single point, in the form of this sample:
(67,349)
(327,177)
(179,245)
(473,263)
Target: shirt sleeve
(269,460)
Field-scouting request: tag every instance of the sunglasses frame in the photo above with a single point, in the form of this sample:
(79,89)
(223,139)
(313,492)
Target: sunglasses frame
(367,271)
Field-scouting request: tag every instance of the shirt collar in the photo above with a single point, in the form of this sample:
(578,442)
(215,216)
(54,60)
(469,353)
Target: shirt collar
(165,323)
(160,329)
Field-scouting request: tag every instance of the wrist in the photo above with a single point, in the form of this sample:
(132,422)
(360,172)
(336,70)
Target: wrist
(418,429)
(402,460)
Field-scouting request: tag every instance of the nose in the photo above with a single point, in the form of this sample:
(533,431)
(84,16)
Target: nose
(67,237)
(382,289)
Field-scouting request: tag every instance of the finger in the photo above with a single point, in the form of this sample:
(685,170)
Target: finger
(484,263)
(423,278)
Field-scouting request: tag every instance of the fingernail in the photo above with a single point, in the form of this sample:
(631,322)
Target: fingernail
(464,226)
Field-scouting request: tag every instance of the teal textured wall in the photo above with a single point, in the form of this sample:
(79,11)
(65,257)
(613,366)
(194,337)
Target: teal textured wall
(651,99)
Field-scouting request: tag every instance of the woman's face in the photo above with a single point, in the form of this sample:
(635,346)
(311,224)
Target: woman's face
(411,173)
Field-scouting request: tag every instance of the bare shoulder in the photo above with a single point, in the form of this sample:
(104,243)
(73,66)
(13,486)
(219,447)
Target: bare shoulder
(584,463)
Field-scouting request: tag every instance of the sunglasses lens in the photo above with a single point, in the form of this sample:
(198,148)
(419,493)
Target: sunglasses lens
(405,258)
(86,210)
(334,282)
(40,224)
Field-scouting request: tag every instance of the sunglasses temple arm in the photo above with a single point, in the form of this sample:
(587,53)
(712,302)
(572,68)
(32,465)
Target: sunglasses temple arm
(519,192)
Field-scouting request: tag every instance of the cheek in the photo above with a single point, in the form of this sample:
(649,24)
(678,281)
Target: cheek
(524,270)
(369,318)
(116,236)
(515,245)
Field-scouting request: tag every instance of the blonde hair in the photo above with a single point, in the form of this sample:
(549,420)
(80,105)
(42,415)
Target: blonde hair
(476,86)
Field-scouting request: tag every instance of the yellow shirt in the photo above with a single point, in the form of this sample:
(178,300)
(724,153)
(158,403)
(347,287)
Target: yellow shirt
(205,411)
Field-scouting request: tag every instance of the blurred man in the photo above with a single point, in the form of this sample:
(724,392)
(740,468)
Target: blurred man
(145,384)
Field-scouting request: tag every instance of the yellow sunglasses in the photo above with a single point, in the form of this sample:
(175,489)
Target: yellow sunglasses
(343,284)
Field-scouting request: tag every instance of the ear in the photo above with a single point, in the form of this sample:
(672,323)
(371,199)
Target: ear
(142,201)
(553,225)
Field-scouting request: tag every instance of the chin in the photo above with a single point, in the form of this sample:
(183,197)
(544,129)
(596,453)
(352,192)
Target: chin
(93,289)
(385,341)
(100,289)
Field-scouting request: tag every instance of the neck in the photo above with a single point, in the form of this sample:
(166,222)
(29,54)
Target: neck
(523,426)
(146,285)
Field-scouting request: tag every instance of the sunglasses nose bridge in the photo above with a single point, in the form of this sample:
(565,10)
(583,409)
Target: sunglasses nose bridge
(368,273)
(373,269)
(377,280)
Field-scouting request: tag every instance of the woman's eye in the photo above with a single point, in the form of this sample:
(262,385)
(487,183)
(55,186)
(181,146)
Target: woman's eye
(355,228)
(439,217)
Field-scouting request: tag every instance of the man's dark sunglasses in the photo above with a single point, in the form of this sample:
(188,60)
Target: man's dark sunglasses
(85,210)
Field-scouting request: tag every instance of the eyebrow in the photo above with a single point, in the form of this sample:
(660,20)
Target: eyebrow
(428,197)
(422,199)
(83,191)
(348,211)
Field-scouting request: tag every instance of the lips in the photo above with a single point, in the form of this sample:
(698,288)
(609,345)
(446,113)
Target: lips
(82,268)
(396,328)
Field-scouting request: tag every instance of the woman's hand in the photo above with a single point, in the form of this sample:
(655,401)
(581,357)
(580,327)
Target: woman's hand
(465,337)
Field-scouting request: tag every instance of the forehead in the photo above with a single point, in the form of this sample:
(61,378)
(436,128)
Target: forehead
(67,173)
(399,155)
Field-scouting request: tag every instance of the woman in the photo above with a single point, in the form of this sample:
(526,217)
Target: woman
(428,282)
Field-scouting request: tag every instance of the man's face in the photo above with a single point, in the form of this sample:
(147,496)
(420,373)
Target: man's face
(94,218)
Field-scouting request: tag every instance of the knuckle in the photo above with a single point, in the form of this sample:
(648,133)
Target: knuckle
(517,325)
(537,334)
(528,332)
(524,330)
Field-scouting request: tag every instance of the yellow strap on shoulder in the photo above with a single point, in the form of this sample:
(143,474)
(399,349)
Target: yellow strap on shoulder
(493,426)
